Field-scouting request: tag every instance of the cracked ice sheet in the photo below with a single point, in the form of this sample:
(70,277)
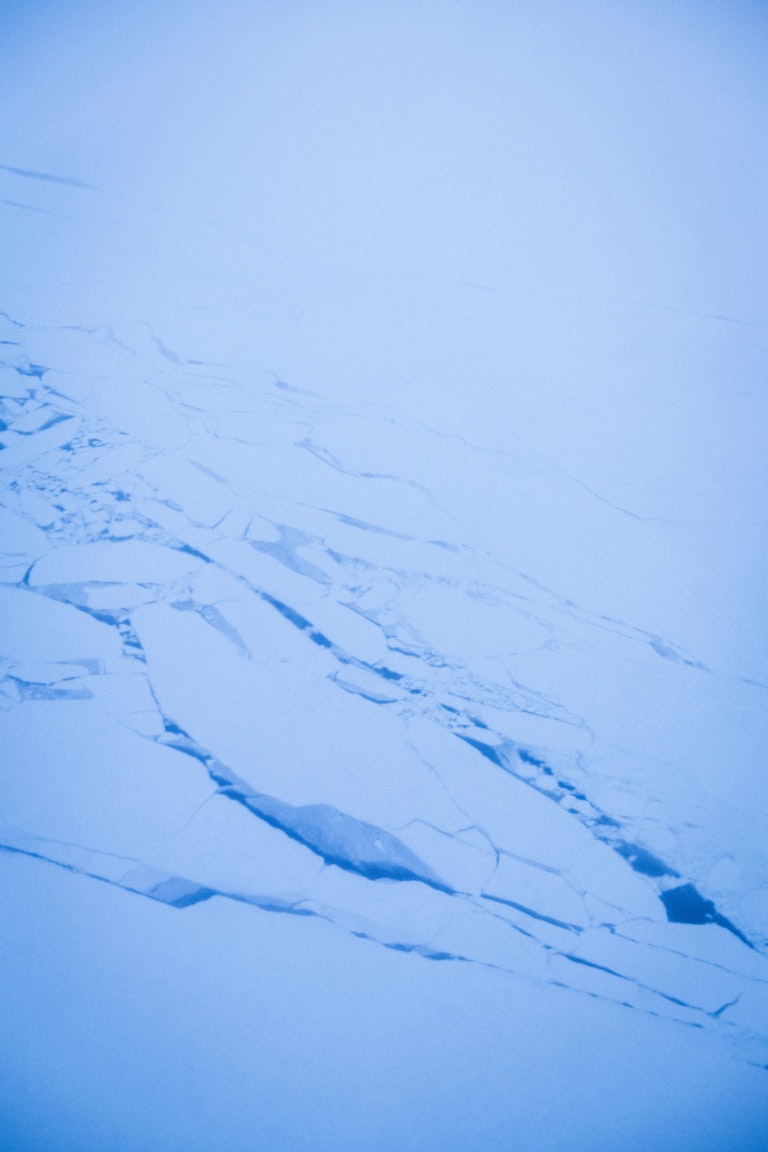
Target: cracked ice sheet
(341,643)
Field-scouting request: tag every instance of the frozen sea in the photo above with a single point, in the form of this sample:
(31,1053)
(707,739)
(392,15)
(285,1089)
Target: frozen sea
(383,663)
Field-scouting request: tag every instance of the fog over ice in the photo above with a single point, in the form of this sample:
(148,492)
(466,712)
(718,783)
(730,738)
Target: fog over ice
(383,629)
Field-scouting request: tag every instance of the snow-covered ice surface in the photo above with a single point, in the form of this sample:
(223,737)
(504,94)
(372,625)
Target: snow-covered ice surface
(383,525)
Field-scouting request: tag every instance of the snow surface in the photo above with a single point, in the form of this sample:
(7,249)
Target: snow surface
(383,676)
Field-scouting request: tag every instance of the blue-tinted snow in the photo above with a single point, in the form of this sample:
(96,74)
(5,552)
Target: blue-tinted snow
(382,676)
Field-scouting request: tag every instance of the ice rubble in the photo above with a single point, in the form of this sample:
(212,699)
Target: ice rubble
(289,678)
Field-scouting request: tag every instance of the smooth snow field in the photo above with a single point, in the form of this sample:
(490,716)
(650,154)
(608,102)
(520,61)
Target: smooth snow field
(384,521)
